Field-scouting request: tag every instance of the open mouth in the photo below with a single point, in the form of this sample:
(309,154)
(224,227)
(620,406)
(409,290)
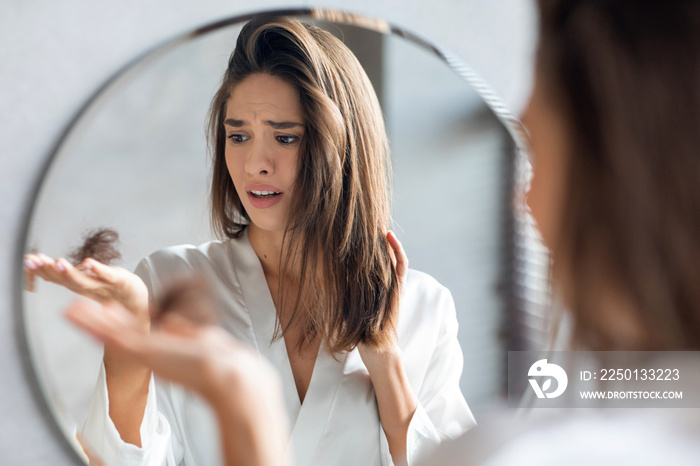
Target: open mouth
(264,194)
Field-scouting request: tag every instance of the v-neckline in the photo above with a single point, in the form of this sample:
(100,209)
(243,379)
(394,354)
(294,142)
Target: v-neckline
(307,419)
(290,355)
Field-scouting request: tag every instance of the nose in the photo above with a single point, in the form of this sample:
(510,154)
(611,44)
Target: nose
(259,160)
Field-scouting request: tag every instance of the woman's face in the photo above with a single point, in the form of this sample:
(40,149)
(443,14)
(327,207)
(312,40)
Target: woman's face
(264,127)
(548,146)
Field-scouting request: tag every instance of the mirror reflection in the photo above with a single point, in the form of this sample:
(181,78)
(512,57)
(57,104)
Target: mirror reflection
(302,137)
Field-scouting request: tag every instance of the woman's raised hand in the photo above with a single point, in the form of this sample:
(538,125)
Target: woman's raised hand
(93,280)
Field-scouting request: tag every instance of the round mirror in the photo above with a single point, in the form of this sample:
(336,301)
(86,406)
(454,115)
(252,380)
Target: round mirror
(135,159)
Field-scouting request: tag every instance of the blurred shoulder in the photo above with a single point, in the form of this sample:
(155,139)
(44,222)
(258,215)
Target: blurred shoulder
(423,289)
(425,305)
(174,262)
(188,253)
(601,438)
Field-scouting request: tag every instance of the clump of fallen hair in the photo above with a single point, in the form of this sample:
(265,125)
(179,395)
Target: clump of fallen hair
(99,244)
(188,297)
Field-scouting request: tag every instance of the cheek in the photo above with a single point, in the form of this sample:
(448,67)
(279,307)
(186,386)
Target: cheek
(537,202)
(548,144)
(545,198)
(235,171)
(291,169)
(232,167)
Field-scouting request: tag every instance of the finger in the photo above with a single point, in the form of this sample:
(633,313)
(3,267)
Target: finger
(30,262)
(392,252)
(396,246)
(111,324)
(401,259)
(173,357)
(55,270)
(115,327)
(83,281)
(62,273)
(72,274)
(29,269)
(176,324)
(103,272)
(29,281)
(43,260)
(85,315)
(76,280)
(45,267)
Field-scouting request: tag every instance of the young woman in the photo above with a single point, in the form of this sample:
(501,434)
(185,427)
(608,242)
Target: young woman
(307,275)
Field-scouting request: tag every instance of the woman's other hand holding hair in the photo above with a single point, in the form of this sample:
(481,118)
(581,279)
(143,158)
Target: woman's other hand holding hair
(395,400)
(243,389)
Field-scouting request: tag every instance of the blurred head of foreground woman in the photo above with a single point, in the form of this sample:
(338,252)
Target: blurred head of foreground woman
(615,125)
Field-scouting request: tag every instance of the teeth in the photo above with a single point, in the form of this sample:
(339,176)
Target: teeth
(263,193)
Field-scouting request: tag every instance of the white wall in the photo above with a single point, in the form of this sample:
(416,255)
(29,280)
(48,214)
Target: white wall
(53,55)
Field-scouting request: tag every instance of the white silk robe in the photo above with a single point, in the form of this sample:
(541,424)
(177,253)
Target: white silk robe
(338,423)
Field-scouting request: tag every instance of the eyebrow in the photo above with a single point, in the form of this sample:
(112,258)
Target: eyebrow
(274,124)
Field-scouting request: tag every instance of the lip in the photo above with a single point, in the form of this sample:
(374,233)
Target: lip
(262,187)
(263,203)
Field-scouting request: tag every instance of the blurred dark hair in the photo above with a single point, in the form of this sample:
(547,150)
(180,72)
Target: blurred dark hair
(625,75)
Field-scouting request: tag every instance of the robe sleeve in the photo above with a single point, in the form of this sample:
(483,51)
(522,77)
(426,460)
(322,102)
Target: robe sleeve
(159,447)
(101,437)
(441,412)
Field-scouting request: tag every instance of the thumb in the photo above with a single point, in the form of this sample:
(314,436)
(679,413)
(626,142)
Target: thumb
(29,280)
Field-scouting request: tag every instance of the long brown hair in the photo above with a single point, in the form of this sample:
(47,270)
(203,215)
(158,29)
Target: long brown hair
(340,209)
(626,78)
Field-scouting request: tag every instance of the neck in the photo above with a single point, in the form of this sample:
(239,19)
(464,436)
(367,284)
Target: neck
(268,247)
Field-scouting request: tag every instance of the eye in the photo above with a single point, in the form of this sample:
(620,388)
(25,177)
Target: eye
(237,138)
(286,140)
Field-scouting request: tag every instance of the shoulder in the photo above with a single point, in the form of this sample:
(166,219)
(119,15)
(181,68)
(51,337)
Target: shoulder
(425,305)
(421,290)
(173,262)
(186,254)
(647,438)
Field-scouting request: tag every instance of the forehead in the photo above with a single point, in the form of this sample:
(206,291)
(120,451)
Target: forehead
(262,96)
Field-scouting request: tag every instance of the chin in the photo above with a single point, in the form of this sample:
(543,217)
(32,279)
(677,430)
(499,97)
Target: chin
(265,223)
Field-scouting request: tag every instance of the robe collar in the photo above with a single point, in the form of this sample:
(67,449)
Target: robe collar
(307,420)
